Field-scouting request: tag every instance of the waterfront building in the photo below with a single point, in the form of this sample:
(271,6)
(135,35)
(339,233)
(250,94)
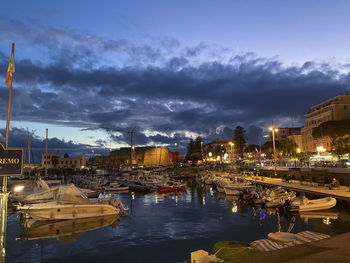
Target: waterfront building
(50,159)
(220,150)
(142,156)
(284,133)
(72,162)
(53,160)
(337,108)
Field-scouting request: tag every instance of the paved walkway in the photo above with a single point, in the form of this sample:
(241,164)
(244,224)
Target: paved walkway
(331,250)
(341,193)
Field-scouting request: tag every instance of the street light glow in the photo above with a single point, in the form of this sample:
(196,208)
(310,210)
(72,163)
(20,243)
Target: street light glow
(320,149)
(18,188)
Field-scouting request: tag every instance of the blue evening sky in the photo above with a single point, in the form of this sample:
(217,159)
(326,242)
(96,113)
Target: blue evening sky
(267,48)
(296,31)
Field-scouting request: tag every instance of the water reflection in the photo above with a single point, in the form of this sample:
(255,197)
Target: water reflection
(318,215)
(66,231)
(234,208)
(231,198)
(160,226)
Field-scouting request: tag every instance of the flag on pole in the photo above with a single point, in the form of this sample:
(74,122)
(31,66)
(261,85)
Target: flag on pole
(10,70)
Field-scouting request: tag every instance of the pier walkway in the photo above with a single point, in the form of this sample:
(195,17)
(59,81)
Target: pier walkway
(334,249)
(340,193)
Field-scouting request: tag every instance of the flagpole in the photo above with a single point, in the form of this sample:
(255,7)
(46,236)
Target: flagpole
(4,181)
(4,194)
(9,105)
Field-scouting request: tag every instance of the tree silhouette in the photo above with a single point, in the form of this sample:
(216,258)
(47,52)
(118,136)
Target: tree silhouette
(333,129)
(239,140)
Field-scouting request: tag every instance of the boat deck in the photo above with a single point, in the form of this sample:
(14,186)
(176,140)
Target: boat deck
(340,193)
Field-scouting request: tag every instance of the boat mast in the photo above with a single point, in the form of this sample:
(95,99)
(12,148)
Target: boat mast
(28,141)
(47,131)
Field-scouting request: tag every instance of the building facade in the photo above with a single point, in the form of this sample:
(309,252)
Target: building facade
(72,162)
(53,160)
(141,156)
(50,159)
(284,133)
(337,108)
(220,150)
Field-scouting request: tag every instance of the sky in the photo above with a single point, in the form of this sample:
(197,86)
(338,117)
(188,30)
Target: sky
(171,70)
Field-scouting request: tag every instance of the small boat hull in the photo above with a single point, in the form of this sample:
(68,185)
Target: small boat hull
(60,212)
(170,189)
(314,205)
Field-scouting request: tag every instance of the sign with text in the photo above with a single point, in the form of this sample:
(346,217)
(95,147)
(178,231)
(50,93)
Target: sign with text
(11,161)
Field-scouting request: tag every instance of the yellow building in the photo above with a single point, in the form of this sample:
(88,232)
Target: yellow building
(148,156)
(337,108)
(72,162)
(227,148)
(48,160)
(53,160)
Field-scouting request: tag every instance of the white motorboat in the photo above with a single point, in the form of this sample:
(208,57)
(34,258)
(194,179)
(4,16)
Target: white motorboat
(52,193)
(112,187)
(19,191)
(273,197)
(303,204)
(237,187)
(279,198)
(72,207)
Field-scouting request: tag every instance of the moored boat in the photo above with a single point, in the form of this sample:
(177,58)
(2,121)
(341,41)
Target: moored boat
(171,186)
(303,204)
(72,207)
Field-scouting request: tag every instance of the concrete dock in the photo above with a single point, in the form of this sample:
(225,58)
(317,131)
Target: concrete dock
(334,249)
(341,193)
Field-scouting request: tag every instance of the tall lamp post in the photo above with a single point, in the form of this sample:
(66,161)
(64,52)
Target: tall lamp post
(175,160)
(273,130)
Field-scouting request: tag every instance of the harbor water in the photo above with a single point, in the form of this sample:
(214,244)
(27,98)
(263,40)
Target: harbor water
(160,228)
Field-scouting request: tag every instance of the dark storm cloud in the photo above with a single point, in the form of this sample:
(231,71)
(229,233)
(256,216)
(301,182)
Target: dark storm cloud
(167,96)
(192,98)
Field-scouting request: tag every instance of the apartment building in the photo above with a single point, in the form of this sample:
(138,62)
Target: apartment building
(337,108)
(53,160)
(284,133)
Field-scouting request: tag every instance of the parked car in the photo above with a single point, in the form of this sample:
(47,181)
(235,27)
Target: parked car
(343,163)
(328,164)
